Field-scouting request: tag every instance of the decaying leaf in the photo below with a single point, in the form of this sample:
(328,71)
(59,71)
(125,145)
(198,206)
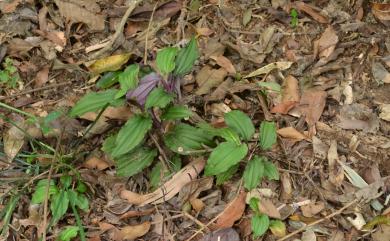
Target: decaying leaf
(266,206)
(110,63)
(98,163)
(132,232)
(226,234)
(336,172)
(269,67)
(232,212)
(224,63)
(42,77)
(382,233)
(290,95)
(208,78)
(357,221)
(309,235)
(310,11)
(170,188)
(291,133)
(13,141)
(311,209)
(380,73)
(385,112)
(77,13)
(327,42)
(382,12)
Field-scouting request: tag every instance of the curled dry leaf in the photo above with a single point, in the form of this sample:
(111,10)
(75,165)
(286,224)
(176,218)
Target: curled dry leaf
(170,188)
(132,232)
(382,12)
(232,212)
(95,162)
(291,133)
(310,11)
(336,171)
(224,63)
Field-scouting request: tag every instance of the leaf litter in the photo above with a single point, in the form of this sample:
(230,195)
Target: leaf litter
(324,80)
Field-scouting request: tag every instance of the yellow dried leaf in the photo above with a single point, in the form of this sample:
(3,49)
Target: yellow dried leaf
(111,63)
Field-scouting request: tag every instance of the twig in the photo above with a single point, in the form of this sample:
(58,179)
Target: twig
(268,116)
(318,221)
(196,221)
(147,34)
(35,90)
(165,158)
(118,31)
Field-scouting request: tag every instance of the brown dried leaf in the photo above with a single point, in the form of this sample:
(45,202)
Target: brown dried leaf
(170,188)
(336,171)
(220,92)
(310,11)
(42,77)
(13,141)
(312,209)
(197,204)
(291,133)
(380,73)
(208,78)
(327,42)
(204,31)
(194,188)
(10,7)
(137,213)
(163,11)
(110,63)
(232,212)
(132,231)
(267,207)
(226,234)
(286,192)
(382,12)
(77,13)
(95,162)
(224,63)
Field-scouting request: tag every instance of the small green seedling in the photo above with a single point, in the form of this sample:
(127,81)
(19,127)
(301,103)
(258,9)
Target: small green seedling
(294,18)
(9,75)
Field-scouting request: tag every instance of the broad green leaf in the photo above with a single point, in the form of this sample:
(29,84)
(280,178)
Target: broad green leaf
(270,86)
(267,135)
(131,134)
(158,98)
(110,63)
(226,133)
(81,187)
(254,204)
(94,101)
(176,113)
(278,228)
(253,173)
(66,181)
(108,80)
(40,191)
(47,120)
(165,60)
(68,233)
(59,205)
(135,161)
(78,200)
(186,58)
(109,144)
(224,156)
(260,224)
(224,176)
(241,123)
(270,170)
(128,80)
(185,139)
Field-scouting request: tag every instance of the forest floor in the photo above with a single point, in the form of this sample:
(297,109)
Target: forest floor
(318,72)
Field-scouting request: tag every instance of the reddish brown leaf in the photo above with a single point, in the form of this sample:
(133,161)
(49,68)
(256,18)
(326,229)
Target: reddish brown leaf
(291,133)
(137,213)
(224,63)
(10,7)
(97,163)
(382,12)
(232,212)
(311,11)
(132,231)
(42,77)
(327,42)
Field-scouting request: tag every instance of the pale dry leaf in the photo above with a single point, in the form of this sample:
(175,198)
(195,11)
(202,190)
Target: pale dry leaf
(380,73)
(310,11)
(385,112)
(311,209)
(309,235)
(286,190)
(267,207)
(96,162)
(10,6)
(337,235)
(382,233)
(204,31)
(42,77)
(194,188)
(170,188)
(208,78)
(220,92)
(291,133)
(197,204)
(132,231)
(233,212)
(269,67)
(13,140)
(290,89)
(225,234)
(77,13)
(336,172)
(357,221)
(327,42)
(224,63)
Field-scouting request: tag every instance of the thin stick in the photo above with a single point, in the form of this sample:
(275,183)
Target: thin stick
(165,161)
(196,221)
(318,221)
(147,34)
(118,31)
(35,90)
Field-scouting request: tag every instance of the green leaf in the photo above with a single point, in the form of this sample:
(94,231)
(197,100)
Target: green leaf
(79,200)
(278,228)
(66,181)
(158,98)
(134,162)
(59,205)
(165,60)
(270,170)
(270,86)
(226,133)
(108,80)
(128,80)
(132,134)
(185,139)
(40,191)
(176,113)
(81,187)
(224,156)
(94,101)
(224,176)
(109,144)
(260,224)
(241,123)
(253,173)
(267,135)
(254,204)
(68,233)
(156,173)
(186,58)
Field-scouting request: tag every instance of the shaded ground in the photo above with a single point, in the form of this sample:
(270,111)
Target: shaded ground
(332,62)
